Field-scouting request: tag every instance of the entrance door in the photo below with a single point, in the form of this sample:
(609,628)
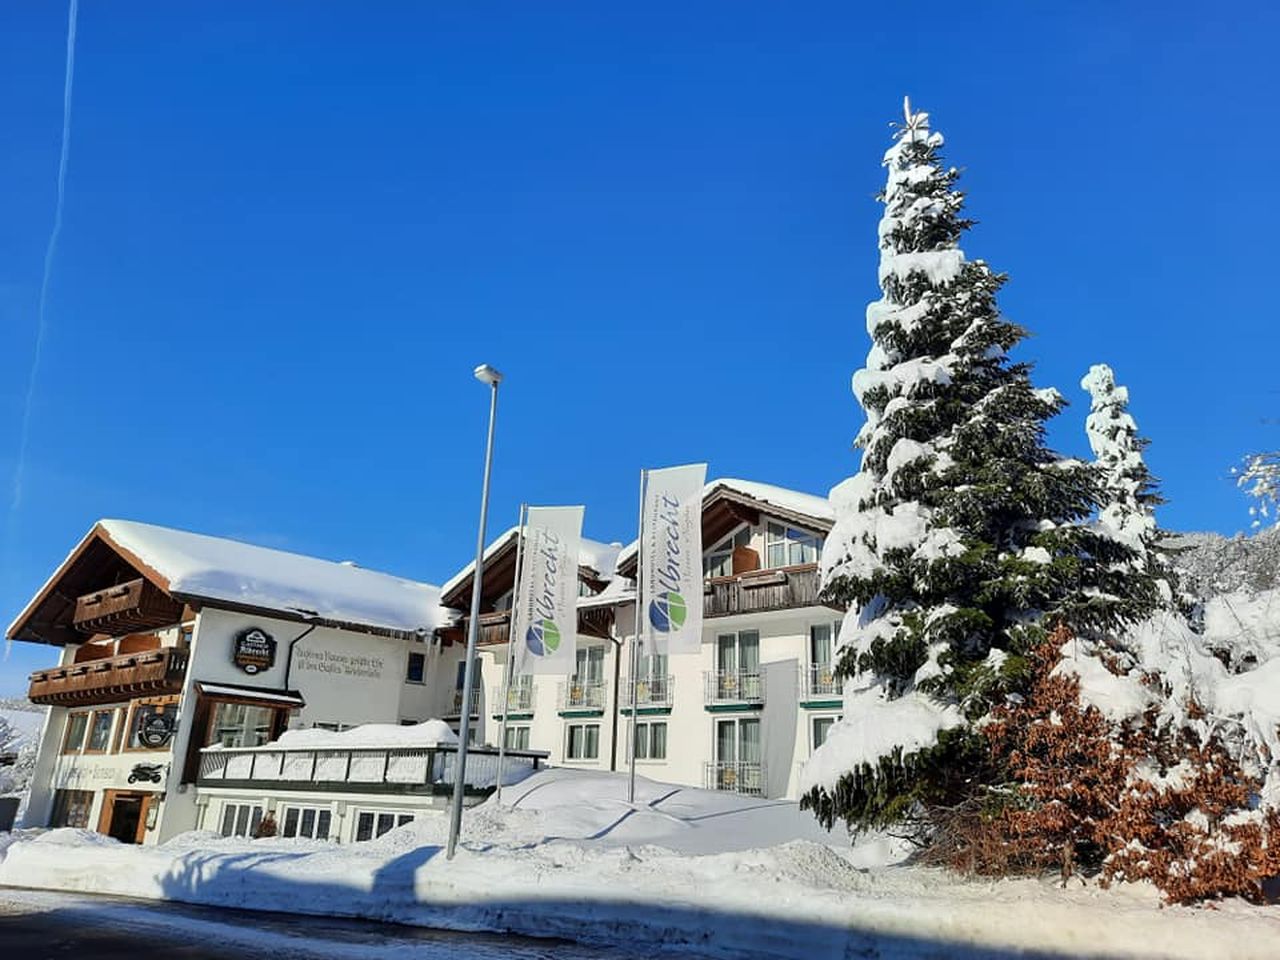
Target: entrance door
(124,816)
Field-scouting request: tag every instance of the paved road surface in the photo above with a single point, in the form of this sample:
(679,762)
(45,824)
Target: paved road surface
(44,925)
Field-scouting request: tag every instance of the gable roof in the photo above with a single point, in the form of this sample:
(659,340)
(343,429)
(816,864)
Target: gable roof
(599,559)
(794,506)
(194,567)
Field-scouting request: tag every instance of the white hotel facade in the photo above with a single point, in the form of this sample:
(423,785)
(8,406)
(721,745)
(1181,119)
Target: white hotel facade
(183,659)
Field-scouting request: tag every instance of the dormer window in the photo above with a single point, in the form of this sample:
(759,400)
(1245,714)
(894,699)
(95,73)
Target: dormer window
(789,547)
(719,561)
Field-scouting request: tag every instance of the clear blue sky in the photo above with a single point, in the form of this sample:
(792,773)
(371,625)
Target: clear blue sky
(292,229)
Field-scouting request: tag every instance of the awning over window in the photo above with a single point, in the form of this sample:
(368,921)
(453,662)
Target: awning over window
(261,695)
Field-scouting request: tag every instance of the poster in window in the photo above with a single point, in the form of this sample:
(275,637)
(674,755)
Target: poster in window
(255,650)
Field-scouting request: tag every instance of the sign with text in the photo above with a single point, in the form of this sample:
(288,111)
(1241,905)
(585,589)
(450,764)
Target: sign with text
(255,650)
(671,559)
(544,622)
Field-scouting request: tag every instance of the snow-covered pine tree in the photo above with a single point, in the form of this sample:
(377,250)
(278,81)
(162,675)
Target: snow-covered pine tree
(962,539)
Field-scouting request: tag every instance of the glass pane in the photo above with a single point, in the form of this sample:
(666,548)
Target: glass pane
(100,734)
(308,822)
(749,651)
(821,727)
(595,663)
(228,820)
(776,531)
(291,822)
(242,820)
(658,741)
(593,742)
(254,820)
(750,741)
(642,741)
(726,646)
(75,731)
(364,827)
(820,644)
(322,825)
(777,555)
(403,819)
(727,741)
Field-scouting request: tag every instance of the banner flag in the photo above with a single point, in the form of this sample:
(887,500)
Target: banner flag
(671,556)
(544,611)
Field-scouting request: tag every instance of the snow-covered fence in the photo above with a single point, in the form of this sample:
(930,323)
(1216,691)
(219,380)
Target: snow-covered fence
(417,769)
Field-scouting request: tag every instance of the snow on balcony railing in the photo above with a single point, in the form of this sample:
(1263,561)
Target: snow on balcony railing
(818,681)
(577,694)
(519,698)
(417,769)
(738,776)
(650,691)
(732,686)
(456,709)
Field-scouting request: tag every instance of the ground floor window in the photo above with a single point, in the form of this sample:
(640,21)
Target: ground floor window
(77,724)
(651,741)
(310,822)
(371,824)
(240,819)
(147,729)
(738,741)
(517,738)
(821,727)
(100,731)
(71,808)
(241,724)
(583,741)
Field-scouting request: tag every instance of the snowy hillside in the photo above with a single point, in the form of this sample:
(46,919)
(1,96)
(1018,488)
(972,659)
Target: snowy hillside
(20,725)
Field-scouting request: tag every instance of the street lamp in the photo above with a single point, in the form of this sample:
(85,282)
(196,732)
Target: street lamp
(485,374)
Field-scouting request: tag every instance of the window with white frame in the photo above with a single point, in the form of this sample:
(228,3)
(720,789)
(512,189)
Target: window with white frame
(820,729)
(718,561)
(371,824)
(738,741)
(589,664)
(518,738)
(582,741)
(651,740)
(240,819)
(789,546)
(310,822)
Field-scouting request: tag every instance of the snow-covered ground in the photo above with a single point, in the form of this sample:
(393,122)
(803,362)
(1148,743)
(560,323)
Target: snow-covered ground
(566,856)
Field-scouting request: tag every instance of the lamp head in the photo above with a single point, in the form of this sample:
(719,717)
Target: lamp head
(486,374)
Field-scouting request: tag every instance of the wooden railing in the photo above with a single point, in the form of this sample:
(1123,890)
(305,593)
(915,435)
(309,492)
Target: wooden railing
(150,672)
(781,589)
(369,770)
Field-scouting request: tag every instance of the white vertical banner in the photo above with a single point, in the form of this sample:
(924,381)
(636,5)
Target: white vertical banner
(544,611)
(671,559)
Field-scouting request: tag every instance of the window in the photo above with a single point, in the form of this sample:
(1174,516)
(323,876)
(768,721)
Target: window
(240,819)
(241,724)
(333,726)
(77,724)
(585,589)
(100,731)
(517,738)
(738,652)
(821,727)
(471,731)
(417,668)
(71,808)
(371,824)
(185,634)
(310,822)
(583,741)
(823,681)
(787,546)
(738,741)
(589,665)
(651,741)
(718,562)
(141,713)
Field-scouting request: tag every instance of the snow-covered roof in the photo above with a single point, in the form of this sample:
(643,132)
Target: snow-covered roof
(600,557)
(215,569)
(429,733)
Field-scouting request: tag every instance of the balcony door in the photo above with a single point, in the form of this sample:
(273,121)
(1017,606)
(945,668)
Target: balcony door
(738,665)
(822,642)
(589,667)
(738,754)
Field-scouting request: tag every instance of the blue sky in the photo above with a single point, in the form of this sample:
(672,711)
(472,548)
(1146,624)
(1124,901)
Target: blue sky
(291,230)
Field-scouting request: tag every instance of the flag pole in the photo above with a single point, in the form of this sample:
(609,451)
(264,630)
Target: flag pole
(511,641)
(635,639)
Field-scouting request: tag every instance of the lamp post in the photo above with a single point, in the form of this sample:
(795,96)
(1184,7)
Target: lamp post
(485,374)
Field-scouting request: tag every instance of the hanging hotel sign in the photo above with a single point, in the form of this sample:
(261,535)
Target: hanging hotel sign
(155,730)
(255,650)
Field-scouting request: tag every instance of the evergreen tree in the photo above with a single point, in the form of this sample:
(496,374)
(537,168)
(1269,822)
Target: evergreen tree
(963,539)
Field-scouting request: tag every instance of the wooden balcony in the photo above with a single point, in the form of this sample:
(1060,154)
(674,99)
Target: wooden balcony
(759,590)
(136,605)
(109,679)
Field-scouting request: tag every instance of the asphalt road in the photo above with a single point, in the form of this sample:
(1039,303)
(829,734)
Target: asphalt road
(44,925)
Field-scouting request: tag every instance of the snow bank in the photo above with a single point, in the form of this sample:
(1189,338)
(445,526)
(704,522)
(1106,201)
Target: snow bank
(569,858)
(429,733)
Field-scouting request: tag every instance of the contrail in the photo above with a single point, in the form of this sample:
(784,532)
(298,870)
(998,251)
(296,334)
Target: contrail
(25,434)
